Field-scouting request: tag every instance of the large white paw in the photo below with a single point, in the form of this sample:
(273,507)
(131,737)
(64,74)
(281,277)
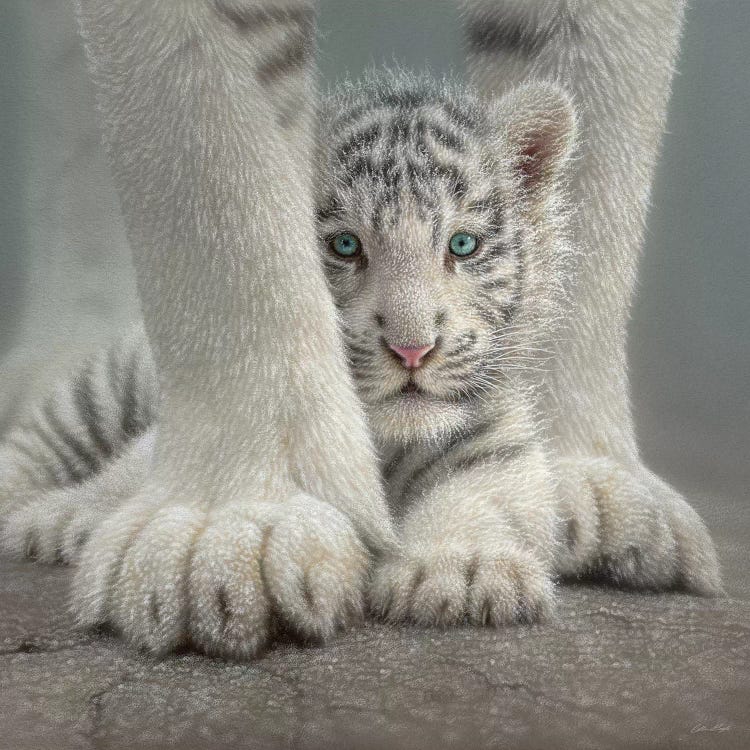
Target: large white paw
(633,529)
(222,580)
(487,582)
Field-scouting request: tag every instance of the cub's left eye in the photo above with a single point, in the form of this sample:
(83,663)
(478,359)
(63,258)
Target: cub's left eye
(346,245)
(463,244)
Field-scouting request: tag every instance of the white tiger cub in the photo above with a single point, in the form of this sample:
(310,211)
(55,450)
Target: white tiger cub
(444,218)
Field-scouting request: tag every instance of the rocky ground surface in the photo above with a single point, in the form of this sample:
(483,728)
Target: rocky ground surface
(614,669)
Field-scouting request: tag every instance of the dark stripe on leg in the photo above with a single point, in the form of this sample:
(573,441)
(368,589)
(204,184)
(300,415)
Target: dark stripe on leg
(73,472)
(518,35)
(505,36)
(442,459)
(293,57)
(85,402)
(36,460)
(498,455)
(249,20)
(133,422)
(69,439)
(393,465)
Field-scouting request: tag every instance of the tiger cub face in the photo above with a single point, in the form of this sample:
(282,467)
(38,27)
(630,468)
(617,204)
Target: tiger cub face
(425,220)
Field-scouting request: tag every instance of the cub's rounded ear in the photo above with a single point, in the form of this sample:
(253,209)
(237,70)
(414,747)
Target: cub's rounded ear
(539,131)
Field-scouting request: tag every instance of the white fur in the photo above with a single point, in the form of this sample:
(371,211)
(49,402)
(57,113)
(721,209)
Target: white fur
(263,496)
(51,525)
(506,571)
(617,59)
(478,537)
(260,427)
(480,545)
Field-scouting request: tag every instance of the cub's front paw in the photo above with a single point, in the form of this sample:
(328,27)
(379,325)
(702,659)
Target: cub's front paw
(483,584)
(633,529)
(222,580)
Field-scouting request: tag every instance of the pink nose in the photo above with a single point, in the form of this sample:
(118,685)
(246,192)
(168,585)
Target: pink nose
(411,356)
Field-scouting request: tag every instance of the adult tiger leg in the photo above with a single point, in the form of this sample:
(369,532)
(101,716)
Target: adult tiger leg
(264,502)
(617,59)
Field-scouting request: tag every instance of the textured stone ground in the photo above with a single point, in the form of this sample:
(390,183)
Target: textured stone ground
(615,669)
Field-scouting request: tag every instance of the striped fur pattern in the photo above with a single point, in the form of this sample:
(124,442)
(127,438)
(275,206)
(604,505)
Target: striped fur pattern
(83,452)
(406,156)
(88,421)
(408,162)
(403,163)
(263,505)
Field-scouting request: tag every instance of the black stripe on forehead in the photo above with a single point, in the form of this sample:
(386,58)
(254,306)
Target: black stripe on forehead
(418,129)
(430,170)
(451,175)
(404,98)
(405,158)
(427,131)
(399,129)
(360,140)
(419,185)
(387,204)
(385,171)
(405,142)
(451,140)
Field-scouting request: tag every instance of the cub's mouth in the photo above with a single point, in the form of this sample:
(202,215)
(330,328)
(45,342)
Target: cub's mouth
(411,389)
(411,393)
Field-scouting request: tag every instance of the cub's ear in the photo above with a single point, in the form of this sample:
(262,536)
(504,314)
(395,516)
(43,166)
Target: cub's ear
(539,131)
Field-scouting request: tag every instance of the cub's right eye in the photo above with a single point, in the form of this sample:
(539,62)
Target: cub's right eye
(464,244)
(346,245)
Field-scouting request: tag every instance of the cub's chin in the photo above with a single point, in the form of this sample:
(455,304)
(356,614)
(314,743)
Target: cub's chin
(415,417)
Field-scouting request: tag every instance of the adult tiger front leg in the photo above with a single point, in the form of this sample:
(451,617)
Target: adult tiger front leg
(617,59)
(263,505)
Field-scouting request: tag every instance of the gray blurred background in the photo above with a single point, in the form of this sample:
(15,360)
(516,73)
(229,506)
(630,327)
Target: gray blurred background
(66,285)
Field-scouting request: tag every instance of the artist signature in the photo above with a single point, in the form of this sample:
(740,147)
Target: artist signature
(713,728)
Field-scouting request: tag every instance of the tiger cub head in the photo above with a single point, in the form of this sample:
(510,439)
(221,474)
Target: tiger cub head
(441,220)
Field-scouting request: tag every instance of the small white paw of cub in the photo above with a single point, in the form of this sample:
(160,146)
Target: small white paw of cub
(631,528)
(483,582)
(223,580)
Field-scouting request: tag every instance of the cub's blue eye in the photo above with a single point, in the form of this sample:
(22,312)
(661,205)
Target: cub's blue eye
(346,245)
(463,244)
